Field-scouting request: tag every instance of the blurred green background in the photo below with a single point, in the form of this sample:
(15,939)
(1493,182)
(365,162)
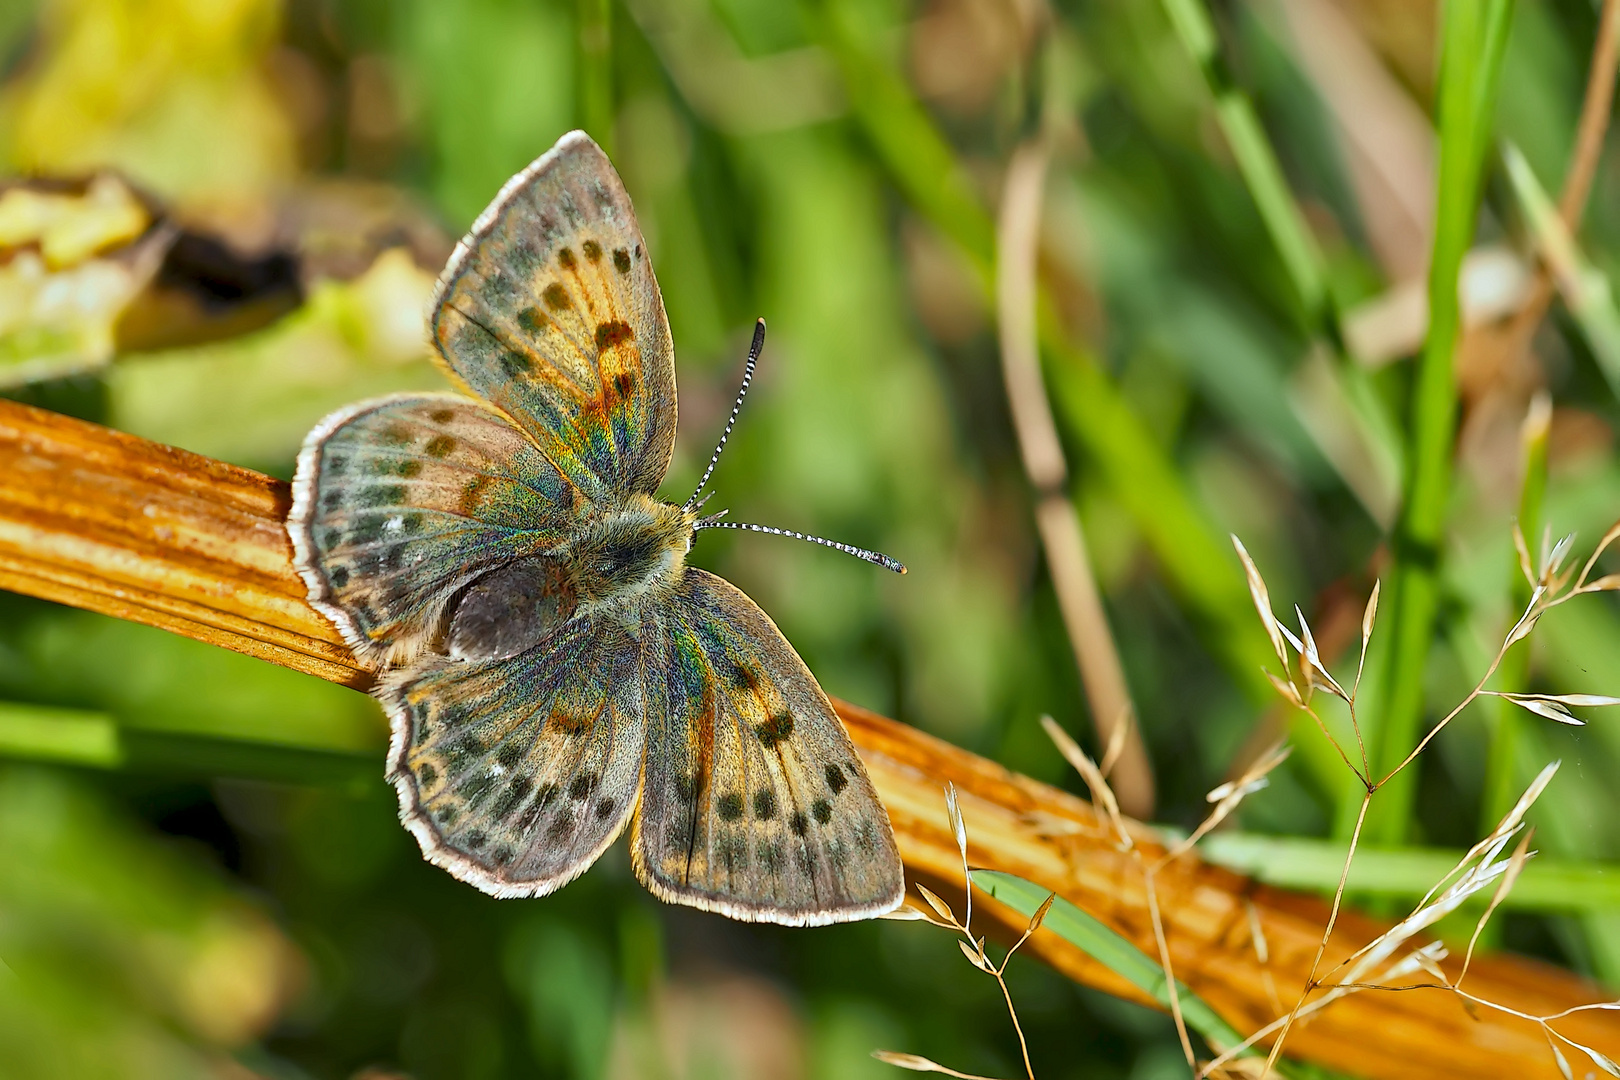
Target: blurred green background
(203,874)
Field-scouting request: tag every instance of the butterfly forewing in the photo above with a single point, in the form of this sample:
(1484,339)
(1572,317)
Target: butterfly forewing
(550,310)
(401,502)
(516,774)
(753,802)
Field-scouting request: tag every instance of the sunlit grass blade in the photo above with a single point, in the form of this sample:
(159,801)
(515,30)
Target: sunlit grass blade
(1108,948)
(1295,862)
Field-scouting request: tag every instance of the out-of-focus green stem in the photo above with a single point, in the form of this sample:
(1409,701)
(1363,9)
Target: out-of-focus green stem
(1501,775)
(1280,212)
(1474,33)
(920,161)
(66,736)
(596,70)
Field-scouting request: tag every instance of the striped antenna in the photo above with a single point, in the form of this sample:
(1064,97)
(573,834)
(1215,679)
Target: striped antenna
(876,557)
(748,377)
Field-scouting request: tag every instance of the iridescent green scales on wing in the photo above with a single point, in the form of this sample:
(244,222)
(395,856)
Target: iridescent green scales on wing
(553,670)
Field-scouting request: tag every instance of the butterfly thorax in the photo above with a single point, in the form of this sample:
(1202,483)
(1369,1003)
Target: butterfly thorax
(637,550)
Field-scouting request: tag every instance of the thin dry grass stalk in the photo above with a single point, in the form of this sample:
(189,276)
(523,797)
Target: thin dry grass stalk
(1596,107)
(1062,538)
(972,947)
(115,524)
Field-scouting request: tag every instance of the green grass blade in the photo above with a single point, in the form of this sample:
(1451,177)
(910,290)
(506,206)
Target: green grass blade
(1474,33)
(1296,862)
(61,736)
(89,739)
(1109,949)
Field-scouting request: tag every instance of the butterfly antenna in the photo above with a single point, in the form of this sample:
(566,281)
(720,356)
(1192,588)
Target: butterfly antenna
(875,557)
(748,377)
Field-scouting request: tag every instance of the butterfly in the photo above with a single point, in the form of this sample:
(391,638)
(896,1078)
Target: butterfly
(552,669)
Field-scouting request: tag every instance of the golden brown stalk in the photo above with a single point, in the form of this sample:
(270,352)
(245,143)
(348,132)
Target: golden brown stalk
(116,524)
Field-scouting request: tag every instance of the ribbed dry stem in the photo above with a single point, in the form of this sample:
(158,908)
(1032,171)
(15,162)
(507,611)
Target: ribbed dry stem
(1062,538)
(115,524)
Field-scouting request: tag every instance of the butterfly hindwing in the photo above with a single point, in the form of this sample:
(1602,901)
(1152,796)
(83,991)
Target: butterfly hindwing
(753,802)
(549,309)
(515,774)
(400,502)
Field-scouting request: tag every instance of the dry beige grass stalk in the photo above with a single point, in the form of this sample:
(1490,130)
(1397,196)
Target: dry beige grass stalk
(115,524)
(1062,538)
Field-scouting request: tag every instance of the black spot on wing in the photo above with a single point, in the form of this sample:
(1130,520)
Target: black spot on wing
(776,729)
(730,806)
(516,793)
(593,250)
(798,823)
(440,446)
(821,810)
(621,260)
(532,319)
(612,333)
(561,825)
(835,778)
(566,260)
(556,297)
(764,804)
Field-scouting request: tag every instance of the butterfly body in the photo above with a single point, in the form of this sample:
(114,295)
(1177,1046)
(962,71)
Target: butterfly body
(632,554)
(552,668)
